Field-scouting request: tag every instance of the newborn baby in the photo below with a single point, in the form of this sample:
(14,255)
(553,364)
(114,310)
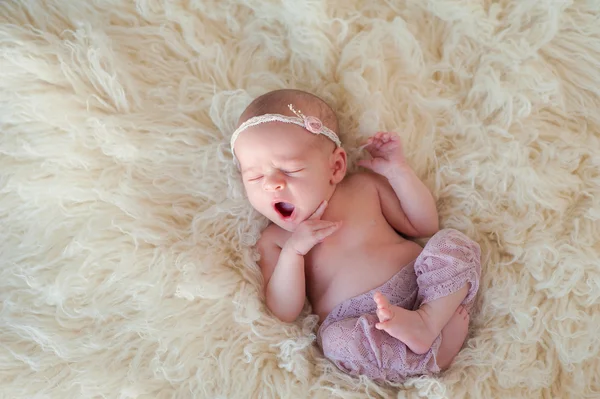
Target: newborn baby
(388,308)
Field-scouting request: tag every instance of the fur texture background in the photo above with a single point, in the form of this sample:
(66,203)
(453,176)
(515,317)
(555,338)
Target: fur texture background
(126,268)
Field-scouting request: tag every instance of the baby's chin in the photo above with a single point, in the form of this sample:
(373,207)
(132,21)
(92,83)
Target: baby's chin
(290,227)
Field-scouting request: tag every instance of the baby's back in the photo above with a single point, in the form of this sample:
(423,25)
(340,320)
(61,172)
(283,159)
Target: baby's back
(363,254)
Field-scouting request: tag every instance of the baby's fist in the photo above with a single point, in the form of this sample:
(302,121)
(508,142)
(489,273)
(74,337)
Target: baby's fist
(386,152)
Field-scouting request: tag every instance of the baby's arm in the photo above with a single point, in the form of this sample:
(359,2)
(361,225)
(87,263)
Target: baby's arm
(406,202)
(283,267)
(416,201)
(283,272)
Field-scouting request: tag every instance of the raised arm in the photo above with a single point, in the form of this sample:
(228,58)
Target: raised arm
(406,202)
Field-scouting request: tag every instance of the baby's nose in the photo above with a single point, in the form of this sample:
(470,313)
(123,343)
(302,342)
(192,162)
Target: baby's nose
(274,183)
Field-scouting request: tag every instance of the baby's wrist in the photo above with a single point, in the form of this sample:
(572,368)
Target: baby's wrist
(289,248)
(398,171)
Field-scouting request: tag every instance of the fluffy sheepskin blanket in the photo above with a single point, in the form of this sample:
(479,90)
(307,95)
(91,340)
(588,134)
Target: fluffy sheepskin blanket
(126,261)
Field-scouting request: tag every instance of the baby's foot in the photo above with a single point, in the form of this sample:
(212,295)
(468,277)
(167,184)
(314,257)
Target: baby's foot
(410,327)
(383,307)
(453,337)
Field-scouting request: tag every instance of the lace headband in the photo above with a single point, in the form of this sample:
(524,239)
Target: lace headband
(310,123)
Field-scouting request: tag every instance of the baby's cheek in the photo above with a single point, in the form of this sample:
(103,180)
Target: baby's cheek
(257,203)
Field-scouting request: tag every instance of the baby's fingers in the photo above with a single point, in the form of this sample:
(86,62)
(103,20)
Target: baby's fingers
(374,140)
(320,224)
(325,232)
(320,210)
(385,136)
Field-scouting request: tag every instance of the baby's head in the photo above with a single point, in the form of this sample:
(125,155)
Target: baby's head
(289,166)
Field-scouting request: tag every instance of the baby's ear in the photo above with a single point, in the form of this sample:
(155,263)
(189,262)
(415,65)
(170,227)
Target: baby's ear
(339,164)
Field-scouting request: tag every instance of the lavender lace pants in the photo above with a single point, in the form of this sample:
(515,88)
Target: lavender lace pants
(348,336)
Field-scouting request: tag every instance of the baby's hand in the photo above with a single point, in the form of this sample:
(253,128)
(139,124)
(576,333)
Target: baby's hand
(388,155)
(312,231)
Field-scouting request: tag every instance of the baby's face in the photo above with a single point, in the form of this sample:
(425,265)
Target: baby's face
(286,172)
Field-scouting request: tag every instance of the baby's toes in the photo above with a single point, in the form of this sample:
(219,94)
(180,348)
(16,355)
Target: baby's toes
(381,300)
(384,314)
(380,315)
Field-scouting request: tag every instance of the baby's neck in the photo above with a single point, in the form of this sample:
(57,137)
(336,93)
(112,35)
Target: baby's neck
(332,191)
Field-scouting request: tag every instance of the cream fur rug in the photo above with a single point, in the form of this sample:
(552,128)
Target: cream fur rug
(125,241)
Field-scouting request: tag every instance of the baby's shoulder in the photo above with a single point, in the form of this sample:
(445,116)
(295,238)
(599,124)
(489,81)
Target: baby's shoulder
(362,181)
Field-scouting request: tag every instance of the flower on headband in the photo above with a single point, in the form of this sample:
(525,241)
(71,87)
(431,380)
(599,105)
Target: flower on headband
(313,124)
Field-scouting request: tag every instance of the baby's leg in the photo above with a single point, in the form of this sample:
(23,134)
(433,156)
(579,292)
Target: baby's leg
(447,273)
(418,328)
(453,337)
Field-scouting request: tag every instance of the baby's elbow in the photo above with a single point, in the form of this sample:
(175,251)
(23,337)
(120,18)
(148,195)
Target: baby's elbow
(435,226)
(431,229)
(426,230)
(287,318)
(283,314)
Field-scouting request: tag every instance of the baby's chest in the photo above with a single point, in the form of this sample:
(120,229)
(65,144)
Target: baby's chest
(361,230)
(361,218)
(342,265)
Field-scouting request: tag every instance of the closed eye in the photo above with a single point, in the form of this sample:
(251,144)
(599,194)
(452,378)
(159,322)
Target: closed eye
(289,172)
(256,178)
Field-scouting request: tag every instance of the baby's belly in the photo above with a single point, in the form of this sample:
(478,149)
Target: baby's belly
(334,279)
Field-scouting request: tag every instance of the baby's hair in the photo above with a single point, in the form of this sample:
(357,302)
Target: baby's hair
(276,102)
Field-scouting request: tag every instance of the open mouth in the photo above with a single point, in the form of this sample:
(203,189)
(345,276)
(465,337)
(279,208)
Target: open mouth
(285,209)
